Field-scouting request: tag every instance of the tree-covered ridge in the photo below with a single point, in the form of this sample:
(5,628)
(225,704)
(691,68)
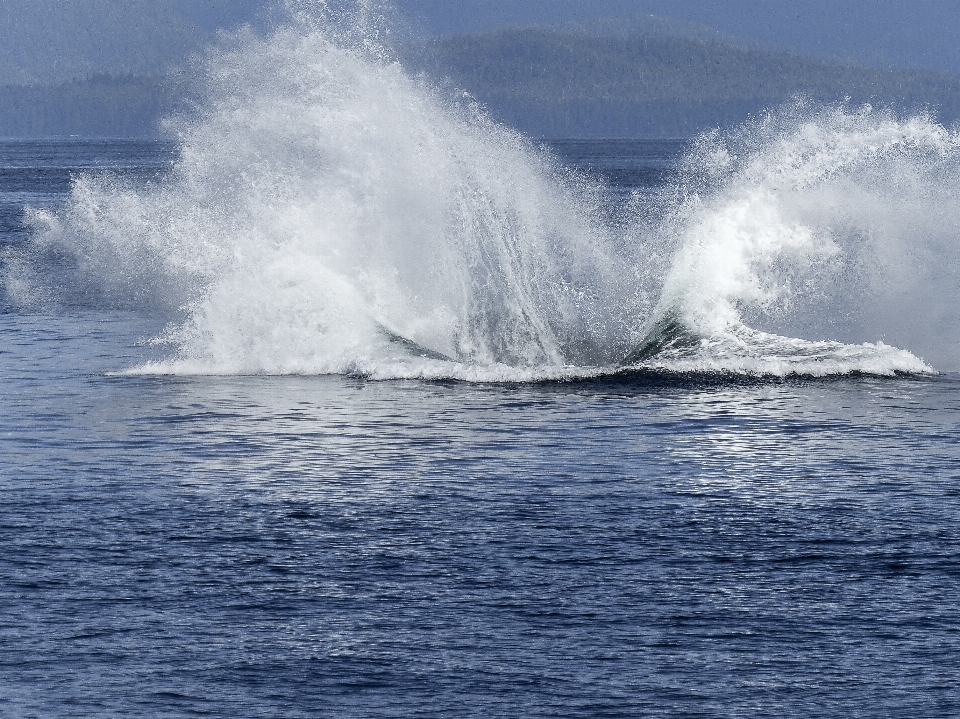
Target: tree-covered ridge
(568,82)
(529,63)
(549,82)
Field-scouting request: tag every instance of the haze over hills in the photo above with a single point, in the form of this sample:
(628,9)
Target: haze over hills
(80,37)
(651,77)
(644,76)
(103,68)
(47,42)
(51,41)
(885,34)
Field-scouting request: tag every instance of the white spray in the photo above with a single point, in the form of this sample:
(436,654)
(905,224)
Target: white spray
(331,213)
(326,202)
(825,223)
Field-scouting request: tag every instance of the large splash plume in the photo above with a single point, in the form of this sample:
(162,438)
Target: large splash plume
(331,212)
(325,201)
(821,223)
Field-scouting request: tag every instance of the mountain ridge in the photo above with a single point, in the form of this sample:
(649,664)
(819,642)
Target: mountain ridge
(649,77)
(555,81)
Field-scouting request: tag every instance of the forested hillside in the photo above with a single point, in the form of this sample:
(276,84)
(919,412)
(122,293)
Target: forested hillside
(567,81)
(558,84)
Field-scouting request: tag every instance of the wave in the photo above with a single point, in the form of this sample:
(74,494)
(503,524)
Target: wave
(330,212)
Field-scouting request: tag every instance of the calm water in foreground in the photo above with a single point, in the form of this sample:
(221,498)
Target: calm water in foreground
(641,545)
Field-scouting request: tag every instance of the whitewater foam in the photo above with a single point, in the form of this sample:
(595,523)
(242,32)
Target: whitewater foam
(331,213)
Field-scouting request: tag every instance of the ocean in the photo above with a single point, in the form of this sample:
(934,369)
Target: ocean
(350,402)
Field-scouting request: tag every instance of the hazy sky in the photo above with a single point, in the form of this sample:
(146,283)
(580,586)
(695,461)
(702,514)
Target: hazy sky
(53,39)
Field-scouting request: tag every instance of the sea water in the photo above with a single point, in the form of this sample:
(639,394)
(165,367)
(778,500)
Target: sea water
(350,402)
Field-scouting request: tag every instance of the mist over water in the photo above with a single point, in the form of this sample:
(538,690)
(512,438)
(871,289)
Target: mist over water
(330,212)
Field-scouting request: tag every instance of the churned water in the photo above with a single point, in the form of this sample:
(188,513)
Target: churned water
(351,402)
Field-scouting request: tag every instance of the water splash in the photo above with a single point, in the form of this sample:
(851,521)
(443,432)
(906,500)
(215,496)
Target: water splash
(818,223)
(332,213)
(326,200)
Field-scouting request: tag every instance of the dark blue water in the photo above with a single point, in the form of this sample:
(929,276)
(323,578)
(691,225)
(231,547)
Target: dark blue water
(644,545)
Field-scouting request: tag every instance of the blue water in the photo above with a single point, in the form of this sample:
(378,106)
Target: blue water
(648,544)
